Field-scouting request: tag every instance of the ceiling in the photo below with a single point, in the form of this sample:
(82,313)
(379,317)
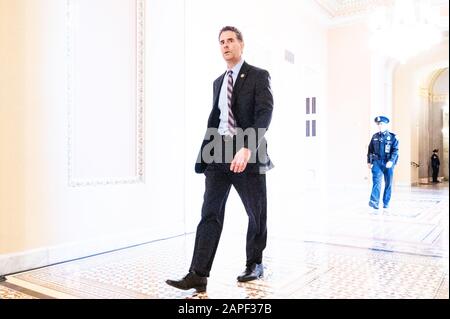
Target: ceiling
(345,8)
(348,8)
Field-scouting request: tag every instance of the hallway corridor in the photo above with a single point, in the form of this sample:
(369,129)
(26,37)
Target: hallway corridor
(331,246)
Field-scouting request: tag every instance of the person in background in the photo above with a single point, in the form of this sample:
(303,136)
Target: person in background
(382,156)
(435,163)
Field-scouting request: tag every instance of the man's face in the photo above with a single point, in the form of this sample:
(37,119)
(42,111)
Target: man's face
(382,127)
(231,47)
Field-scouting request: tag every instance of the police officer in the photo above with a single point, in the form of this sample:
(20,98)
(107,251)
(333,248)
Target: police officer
(435,163)
(381,158)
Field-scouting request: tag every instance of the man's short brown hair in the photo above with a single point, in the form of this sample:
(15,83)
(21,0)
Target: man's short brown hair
(234,29)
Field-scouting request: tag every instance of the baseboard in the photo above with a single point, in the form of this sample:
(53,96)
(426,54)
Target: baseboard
(45,256)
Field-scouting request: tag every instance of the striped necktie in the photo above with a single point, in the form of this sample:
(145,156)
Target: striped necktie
(231,120)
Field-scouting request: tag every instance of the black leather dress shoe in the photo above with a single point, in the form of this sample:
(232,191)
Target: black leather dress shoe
(191,280)
(252,272)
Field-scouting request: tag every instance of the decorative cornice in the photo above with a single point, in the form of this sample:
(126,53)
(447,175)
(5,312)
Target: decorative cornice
(424,92)
(439,98)
(349,8)
(345,8)
(436,98)
(140,101)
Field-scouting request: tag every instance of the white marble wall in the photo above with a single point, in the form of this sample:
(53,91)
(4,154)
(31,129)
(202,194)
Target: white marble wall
(71,73)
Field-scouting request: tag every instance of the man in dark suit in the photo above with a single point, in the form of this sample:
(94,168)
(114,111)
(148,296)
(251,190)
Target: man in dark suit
(233,153)
(435,163)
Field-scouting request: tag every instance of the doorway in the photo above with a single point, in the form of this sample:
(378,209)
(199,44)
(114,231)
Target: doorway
(433,131)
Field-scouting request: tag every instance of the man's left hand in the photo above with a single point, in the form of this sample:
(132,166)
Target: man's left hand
(389,164)
(240,160)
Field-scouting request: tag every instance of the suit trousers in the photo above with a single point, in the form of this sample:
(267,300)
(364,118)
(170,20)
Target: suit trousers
(435,170)
(251,188)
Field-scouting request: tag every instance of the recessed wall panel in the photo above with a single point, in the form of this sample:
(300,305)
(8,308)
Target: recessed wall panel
(105,96)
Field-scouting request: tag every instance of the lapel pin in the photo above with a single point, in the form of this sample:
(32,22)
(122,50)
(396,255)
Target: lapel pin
(242,75)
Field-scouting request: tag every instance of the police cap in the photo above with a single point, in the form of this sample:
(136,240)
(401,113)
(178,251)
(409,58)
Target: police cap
(381,118)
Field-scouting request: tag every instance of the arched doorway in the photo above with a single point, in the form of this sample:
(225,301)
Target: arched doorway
(432,124)
(418,113)
(438,120)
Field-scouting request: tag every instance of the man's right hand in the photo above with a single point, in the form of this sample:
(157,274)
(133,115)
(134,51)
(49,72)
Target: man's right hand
(369,165)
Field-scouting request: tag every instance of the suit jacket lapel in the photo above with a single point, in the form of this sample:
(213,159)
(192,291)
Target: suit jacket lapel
(242,76)
(217,91)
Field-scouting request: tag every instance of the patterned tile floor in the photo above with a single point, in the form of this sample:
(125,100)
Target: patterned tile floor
(345,250)
(8,293)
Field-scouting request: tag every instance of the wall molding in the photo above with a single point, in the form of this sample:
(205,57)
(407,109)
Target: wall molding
(437,98)
(140,102)
(424,92)
(49,255)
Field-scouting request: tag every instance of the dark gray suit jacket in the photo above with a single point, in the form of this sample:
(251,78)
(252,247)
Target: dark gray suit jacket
(252,105)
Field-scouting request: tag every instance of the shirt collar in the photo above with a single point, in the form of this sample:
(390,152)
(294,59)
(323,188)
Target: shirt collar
(237,67)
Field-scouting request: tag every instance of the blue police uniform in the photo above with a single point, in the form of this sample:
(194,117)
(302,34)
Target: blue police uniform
(383,148)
